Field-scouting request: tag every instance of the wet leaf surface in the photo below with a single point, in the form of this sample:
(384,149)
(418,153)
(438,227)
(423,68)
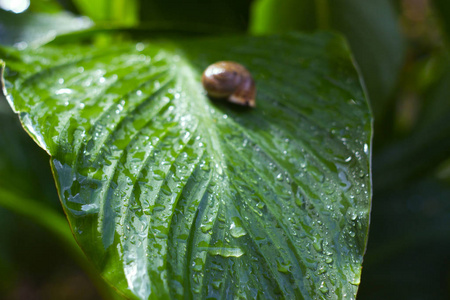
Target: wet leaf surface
(172,194)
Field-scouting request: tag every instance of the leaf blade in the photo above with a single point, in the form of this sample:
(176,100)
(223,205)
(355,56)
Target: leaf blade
(163,187)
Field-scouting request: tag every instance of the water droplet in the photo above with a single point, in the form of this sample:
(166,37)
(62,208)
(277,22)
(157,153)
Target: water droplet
(216,284)
(361,174)
(90,208)
(321,270)
(225,251)
(317,244)
(323,287)
(158,177)
(366,149)
(204,166)
(198,265)
(166,190)
(352,214)
(356,280)
(206,227)
(345,183)
(284,267)
(315,173)
(21,45)
(140,46)
(64,91)
(299,198)
(236,229)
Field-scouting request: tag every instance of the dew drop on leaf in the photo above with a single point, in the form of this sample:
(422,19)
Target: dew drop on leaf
(323,287)
(283,266)
(236,229)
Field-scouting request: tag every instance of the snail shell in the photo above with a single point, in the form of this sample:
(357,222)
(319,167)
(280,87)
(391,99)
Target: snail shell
(230,80)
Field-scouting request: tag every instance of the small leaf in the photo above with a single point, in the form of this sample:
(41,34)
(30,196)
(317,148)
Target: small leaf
(172,194)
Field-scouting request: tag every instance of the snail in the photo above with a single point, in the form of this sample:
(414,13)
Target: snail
(230,80)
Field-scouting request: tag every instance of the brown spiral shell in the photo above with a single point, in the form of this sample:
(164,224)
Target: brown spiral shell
(230,80)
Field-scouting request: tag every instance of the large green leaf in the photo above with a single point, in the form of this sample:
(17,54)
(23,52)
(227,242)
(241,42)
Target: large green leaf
(172,194)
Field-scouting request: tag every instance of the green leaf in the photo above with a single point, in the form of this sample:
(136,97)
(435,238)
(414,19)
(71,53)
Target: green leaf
(27,190)
(110,12)
(47,6)
(371,28)
(270,16)
(171,194)
(34,29)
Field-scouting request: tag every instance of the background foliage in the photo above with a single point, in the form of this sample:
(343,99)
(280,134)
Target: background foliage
(402,50)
